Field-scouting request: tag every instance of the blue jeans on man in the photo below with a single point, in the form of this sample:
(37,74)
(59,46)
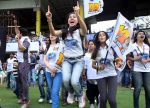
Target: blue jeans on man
(41,82)
(8,79)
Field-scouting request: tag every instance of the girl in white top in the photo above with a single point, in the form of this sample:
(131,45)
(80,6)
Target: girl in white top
(73,64)
(106,73)
(53,60)
(141,67)
(91,75)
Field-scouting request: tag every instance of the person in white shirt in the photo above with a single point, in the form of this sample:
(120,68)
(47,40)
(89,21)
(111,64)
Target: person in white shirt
(103,62)
(53,60)
(23,58)
(42,70)
(9,68)
(141,67)
(92,92)
(73,51)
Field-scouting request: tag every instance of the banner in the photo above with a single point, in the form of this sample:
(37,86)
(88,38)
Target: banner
(13,47)
(92,7)
(121,38)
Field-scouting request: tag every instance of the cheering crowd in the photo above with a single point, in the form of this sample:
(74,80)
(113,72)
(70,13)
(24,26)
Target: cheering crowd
(67,59)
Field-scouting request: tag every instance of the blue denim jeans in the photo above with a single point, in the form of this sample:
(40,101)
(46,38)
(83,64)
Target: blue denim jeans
(54,85)
(8,78)
(41,83)
(119,76)
(126,77)
(141,78)
(33,74)
(72,70)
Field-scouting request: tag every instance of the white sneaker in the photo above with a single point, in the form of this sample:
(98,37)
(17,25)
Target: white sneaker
(92,106)
(41,100)
(76,99)
(70,98)
(82,101)
(50,101)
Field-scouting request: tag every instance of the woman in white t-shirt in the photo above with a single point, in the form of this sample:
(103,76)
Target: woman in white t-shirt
(91,75)
(141,68)
(106,73)
(73,51)
(53,60)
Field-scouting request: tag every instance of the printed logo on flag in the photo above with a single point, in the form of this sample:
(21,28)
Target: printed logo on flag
(94,7)
(122,39)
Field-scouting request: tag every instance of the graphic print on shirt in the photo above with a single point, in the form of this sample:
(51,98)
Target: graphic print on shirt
(52,55)
(102,60)
(70,42)
(142,54)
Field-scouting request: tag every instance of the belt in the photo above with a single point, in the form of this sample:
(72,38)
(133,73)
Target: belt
(74,58)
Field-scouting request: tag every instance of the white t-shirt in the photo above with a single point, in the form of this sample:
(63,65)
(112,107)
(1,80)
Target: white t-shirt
(110,68)
(20,54)
(73,45)
(41,55)
(54,54)
(144,52)
(10,64)
(91,72)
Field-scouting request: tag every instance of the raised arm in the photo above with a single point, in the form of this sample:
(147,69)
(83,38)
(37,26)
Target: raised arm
(80,20)
(17,31)
(18,37)
(50,24)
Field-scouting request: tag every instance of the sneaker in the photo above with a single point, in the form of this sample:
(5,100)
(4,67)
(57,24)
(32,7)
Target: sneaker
(20,101)
(25,105)
(50,101)
(82,101)
(70,98)
(41,100)
(92,106)
(132,88)
(76,99)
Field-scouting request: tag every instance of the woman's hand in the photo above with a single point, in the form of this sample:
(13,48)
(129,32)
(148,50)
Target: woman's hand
(53,71)
(15,22)
(144,61)
(18,37)
(101,67)
(137,58)
(76,8)
(118,62)
(49,14)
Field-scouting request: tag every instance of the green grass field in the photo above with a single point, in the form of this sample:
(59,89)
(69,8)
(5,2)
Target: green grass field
(9,100)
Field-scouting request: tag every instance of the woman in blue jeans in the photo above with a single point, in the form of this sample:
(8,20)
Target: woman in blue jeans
(53,60)
(141,69)
(73,51)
